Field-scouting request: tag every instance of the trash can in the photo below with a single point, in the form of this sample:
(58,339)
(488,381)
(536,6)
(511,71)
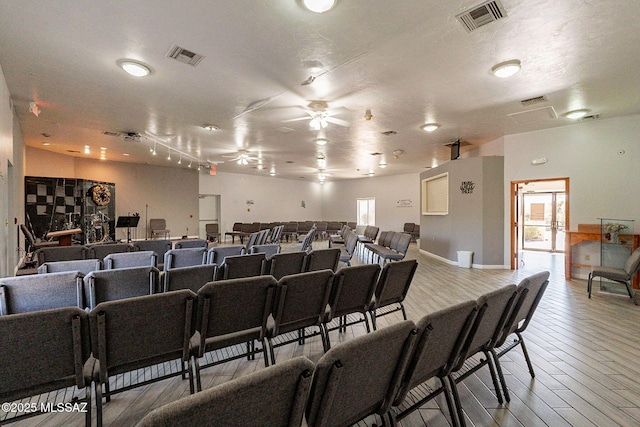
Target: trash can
(465,259)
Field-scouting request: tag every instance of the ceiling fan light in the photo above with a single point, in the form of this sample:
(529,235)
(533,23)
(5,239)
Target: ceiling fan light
(430,127)
(576,114)
(136,69)
(506,69)
(319,6)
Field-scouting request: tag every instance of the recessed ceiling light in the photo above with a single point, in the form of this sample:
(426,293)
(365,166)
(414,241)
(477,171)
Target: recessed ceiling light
(272,173)
(211,128)
(383,165)
(371,173)
(46,144)
(319,6)
(125,154)
(576,114)
(136,69)
(87,149)
(321,141)
(430,127)
(506,69)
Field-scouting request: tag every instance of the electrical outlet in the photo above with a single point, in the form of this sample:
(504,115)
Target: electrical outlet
(587,257)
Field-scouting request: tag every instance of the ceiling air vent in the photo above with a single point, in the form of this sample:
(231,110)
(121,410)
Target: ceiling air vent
(183,55)
(530,101)
(482,14)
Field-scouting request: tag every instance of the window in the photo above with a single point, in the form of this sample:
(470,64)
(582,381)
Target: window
(435,195)
(366,211)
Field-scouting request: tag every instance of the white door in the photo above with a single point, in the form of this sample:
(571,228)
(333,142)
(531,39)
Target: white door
(209,212)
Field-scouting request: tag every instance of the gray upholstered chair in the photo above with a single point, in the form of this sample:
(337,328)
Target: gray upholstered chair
(351,293)
(360,377)
(301,302)
(620,275)
(493,312)
(193,277)
(131,259)
(238,266)
(269,250)
(44,355)
(158,226)
(276,396)
(101,251)
(190,243)
(110,285)
(41,292)
(530,292)
(85,266)
(286,263)
(392,289)
(323,259)
(441,335)
(135,333)
(232,312)
(235,231)
(350,244)
(212,232)
(217,254)
(160,247)
(184,257)
(61,253)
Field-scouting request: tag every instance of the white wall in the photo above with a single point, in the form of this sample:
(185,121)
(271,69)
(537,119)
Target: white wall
(152,191)
(7,233)
(603,183)
(340,199)
(274,199)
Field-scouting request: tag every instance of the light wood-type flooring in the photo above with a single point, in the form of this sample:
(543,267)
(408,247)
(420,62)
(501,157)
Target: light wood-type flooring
(586,355)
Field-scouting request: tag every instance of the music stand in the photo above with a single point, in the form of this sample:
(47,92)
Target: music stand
(128,222)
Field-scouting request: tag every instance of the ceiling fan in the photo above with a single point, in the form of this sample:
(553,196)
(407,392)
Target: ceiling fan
(242,157)
(320,116)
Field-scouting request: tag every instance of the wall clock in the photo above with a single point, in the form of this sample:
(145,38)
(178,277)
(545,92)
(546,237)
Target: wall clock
(100,195)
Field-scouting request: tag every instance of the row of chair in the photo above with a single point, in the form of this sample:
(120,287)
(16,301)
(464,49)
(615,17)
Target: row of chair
(413,229)
(76,252)
(379,373)
(137,332)
(391,246)
(291,229)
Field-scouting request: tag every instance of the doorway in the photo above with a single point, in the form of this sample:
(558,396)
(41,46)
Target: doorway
(208,212)
(540,217)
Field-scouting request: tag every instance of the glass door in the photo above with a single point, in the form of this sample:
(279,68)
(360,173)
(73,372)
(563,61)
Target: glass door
(544,221)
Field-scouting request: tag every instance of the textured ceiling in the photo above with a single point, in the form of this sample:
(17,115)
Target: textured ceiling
(409,62)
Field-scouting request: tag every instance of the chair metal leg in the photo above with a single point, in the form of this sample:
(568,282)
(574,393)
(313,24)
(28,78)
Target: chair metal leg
(449,398)
(190,373)
(494,377)
(503,382)
(526,355)
(589,283)
(98,388)
(273,353)
(366,322)
(265,353)
(196,368)
(372,313)
(456,408)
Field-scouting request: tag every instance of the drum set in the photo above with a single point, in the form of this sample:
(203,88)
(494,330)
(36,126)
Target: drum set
(95,227)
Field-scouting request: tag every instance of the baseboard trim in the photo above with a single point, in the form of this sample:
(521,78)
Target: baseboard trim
(478,266)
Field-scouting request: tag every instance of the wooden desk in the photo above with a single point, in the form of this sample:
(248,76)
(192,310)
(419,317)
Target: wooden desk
(64,236)
(587,232)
